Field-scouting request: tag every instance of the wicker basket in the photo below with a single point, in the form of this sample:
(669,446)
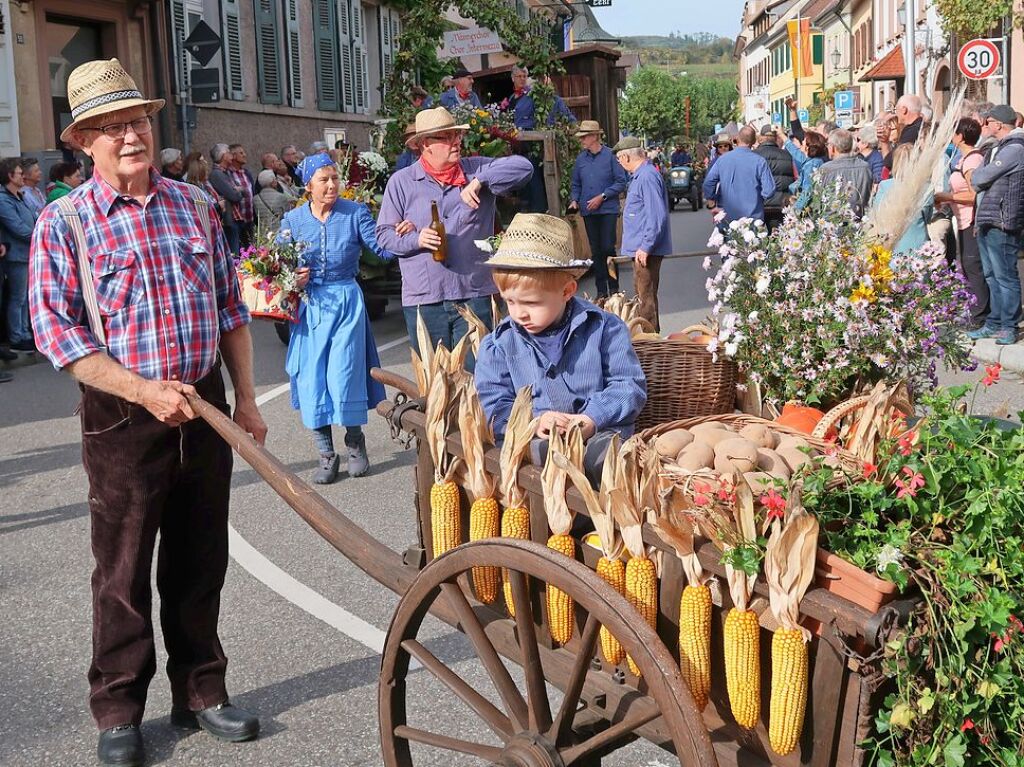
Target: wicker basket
(683,381)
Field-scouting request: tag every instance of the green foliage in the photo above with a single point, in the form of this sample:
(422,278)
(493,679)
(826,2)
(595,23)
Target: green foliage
(968,18)
(655,104)
(957,538)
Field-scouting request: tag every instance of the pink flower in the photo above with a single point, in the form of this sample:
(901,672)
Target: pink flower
(967,725)
(869,469)
(910,486)
(991,374)
(774,504)
(906,443)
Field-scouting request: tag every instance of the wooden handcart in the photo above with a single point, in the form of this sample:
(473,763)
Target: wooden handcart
(600,709)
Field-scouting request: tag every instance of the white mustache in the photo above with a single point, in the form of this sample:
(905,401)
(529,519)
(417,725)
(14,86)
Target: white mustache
(130,151)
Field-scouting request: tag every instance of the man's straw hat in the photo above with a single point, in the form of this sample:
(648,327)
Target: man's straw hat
(538,241)
(589,126)
(99,87)
(430,122)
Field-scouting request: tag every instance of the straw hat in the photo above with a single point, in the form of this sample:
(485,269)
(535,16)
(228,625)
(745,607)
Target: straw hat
(430,122)
(99,87)
(538,241)
(589,126)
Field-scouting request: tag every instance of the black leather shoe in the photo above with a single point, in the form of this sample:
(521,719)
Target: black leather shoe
(225,722)
(121,746)
(7,356)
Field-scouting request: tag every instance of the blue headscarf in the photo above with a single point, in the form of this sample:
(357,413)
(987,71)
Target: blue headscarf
(314,162)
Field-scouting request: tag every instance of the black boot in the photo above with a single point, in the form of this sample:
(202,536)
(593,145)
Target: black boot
(223,721)
(358,463)
(121,746)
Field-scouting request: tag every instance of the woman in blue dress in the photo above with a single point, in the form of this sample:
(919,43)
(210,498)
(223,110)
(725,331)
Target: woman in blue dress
(331,349)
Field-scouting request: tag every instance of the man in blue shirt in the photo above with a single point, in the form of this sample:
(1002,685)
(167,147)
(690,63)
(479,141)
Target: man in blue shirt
(646,235)
(680,156)
(522,105)
(740,182)
(597,182)
(461,93)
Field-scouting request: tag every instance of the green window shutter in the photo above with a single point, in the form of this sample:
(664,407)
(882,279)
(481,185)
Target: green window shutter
(818,49)
(325,40)
(360,77)
(348,97)
(179,28)
(268,52)
(293,52)
(231,35)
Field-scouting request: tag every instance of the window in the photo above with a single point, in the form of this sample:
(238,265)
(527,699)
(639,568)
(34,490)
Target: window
(389,28)
(355,85)
(185,14)
(325,42)
(818,49)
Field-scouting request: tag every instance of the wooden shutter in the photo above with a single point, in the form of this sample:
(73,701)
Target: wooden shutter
(348,99)
(179,29)
(293,52)
(360,61)
(325,40)
(268,52)
(384,42)
(231,35)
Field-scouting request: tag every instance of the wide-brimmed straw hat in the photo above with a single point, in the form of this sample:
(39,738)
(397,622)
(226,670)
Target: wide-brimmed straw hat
(430,122)
(99,87)
(589,126)
(538,241)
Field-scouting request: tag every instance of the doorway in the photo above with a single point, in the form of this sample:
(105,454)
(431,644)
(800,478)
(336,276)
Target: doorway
(68,43)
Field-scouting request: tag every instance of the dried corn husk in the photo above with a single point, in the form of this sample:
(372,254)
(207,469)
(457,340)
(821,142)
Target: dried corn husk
(789,562)
(553,477)
(598,502)
(477,328)
(476,437)
(518,433)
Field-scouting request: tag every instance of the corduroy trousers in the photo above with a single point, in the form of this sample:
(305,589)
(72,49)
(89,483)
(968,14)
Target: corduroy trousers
(146,478)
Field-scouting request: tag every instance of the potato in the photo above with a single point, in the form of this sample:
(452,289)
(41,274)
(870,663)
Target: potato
(712,436)
(771,462)
(793,457)
(759,482)
(760,435)
(711,426)
(726,468)
(696,456)
(791,441)
(670,443)
(741,452)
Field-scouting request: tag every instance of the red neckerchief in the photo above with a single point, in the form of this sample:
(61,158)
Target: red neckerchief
(450,176)
(462,95)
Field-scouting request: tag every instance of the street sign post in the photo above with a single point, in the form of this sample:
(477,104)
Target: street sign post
(979,59)
(844,118)
(776,118)
(844,101)
(803,115)
(203,43)
(205,85)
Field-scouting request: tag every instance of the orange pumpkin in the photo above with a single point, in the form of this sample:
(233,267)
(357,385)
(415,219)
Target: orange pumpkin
(799,417)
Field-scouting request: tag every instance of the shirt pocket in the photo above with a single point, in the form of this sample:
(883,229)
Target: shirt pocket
(194,265)
(117,280)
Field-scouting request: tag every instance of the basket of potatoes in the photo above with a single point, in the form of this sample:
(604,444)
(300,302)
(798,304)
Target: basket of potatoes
(761,452)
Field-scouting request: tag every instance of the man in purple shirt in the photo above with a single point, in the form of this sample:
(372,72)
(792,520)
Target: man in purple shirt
(465,191)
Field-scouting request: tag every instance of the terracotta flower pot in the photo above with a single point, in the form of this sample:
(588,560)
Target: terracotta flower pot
(835,574)
(800,417)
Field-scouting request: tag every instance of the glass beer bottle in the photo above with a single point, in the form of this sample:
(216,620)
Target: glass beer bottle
(441,252)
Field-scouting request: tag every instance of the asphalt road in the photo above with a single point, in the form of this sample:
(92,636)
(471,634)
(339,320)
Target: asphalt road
(299,623)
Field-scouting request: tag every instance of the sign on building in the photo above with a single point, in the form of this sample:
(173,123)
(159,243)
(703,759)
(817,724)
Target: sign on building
(469,42)
(979,59)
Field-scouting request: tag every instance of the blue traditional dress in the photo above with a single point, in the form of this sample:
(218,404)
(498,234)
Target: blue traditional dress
(331,349)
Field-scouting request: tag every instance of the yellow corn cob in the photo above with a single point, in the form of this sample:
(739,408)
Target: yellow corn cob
(789,689)
(642,593)
(484,522)
(515,523)
(612,572)
(444,516)
(695,641)
(742,666)
(560,604)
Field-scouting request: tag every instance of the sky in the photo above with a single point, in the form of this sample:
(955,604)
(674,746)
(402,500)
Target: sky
(626,18)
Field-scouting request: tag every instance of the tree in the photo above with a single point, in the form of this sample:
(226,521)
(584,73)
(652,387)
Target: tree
(968,18)
(654,103)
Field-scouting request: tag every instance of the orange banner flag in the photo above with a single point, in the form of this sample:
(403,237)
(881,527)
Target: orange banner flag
(800,43)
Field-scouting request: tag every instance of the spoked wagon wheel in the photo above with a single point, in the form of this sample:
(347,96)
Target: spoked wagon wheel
(526,732)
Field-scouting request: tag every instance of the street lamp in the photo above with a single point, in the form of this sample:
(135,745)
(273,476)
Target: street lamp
(837,56)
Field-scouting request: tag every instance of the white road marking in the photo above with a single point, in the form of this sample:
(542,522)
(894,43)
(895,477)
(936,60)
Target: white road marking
(296,592)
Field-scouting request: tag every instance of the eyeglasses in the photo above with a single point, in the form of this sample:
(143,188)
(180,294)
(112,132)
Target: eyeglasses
(140,127)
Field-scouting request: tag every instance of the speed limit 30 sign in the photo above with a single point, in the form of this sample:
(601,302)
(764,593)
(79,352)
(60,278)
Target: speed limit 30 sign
(978,59)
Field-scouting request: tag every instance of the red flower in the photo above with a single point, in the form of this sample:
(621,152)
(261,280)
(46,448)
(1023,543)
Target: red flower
(910,486)
(726,495)
(774,504)
(869,469)
(991,374)
(907,442)
(1015,623)
(700,499)
(967,725)
(984,739)
(1000,641)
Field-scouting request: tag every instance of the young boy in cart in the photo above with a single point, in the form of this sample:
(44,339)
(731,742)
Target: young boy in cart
(578,359)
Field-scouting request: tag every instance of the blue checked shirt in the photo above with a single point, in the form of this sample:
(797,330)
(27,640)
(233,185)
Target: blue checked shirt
(598,375)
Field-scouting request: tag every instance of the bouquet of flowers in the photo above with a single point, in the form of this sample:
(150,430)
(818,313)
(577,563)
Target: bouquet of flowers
(820,310)
(492,132)
(267,275)
(374,164)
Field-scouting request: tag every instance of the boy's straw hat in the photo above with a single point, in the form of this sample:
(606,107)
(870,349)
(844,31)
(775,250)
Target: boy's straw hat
(432,121)
(538,241)
(99,87)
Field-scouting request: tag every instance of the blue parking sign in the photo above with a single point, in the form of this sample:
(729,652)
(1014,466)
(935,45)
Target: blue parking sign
(844,100)
(776,118)
(804,115)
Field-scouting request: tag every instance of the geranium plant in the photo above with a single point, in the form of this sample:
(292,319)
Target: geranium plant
(942,515)
(492,132)
(818,311)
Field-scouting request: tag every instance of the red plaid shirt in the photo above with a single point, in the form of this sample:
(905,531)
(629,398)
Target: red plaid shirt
(246,212)
(162,311)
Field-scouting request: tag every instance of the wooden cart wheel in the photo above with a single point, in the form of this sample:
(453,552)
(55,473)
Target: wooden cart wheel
(526,732)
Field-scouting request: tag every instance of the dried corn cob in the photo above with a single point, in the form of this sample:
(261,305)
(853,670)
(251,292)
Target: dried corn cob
(445,514)
(515,520)
(560,604)
(642,593)
(742,665)
(789,569)
(612,572)
(561,611)
(484,515)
